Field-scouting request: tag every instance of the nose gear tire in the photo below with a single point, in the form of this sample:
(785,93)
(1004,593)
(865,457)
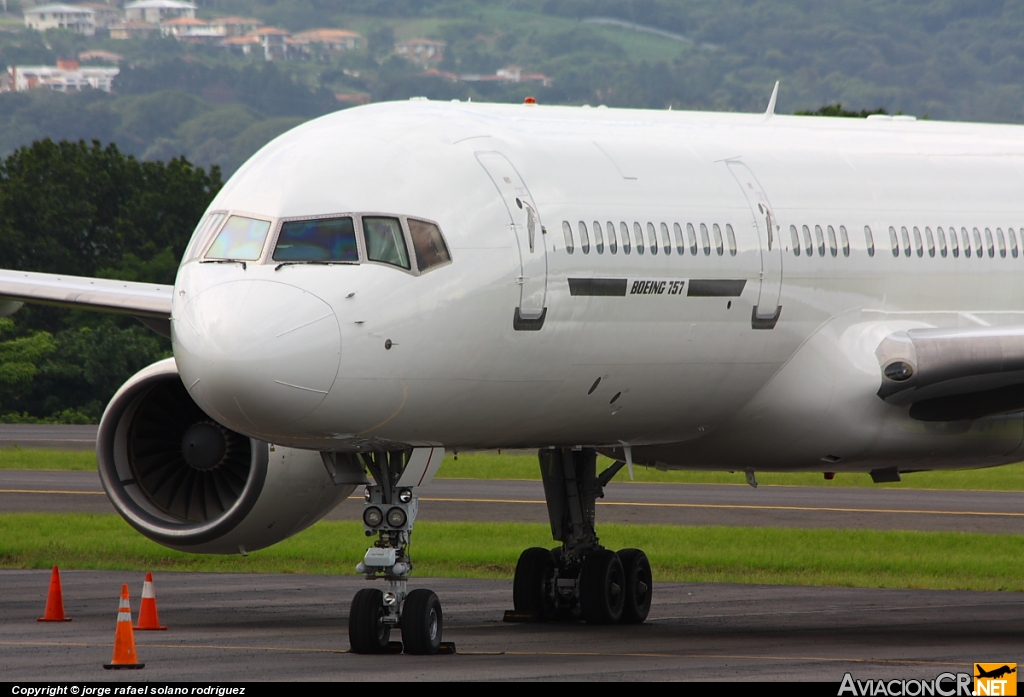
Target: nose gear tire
(367,632)
(602,583)
(532,586)
(422,622)
(637,591)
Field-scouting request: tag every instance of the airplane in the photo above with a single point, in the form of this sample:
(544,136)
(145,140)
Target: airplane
(680,290)
(995,672)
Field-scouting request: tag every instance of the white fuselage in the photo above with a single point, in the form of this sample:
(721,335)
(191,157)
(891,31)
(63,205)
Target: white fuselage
(296,354)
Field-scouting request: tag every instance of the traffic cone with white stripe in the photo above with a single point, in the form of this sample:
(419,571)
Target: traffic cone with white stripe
(124,638)
(148,616)
(54,601)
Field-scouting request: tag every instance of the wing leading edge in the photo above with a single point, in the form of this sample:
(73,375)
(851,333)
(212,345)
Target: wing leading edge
(147,302)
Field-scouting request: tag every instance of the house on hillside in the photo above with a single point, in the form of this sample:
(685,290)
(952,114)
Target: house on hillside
(421,51)
(181,25)
(235,26)
(157,11)
(78,18)
(275,42)
(132,29)
(326,41)
(245,45)
(104,15)
(66,76)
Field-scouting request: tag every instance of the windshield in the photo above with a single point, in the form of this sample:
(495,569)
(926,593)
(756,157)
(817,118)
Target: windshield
(385,241)
(317,240)
(241,238)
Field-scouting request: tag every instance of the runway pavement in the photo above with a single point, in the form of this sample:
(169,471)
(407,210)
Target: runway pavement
(56,437)
(624,502)
(293,627)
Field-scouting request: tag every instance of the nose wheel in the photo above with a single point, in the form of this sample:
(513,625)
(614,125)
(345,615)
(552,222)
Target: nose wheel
(581,580)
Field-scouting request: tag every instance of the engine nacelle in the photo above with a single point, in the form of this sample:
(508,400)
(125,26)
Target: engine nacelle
(187,482)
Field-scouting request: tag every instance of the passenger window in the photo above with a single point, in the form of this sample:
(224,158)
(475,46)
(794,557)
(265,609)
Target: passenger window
(598,238)
(385,241)
(894,241)
(705,240)
(820,237)
(954,242)
(652,238)
(333,239)
(666,239)
(680,242)
(1013,242)
(624,234)
(584,238)
(942,242)
(929,240)
(906,240)
(638,237)
(978,248)
(989,244)
(808,244)
(731,235)
(832,241)
(719,245)
(613,245)
(428,243)
(241,238)
(869,240)
(917,242)
(692,235)
(844,239)
(1001,239)
(966,236)
(796,240)
(201,237)
(567,231)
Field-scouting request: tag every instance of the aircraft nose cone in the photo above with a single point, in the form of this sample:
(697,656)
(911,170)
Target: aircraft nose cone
(257,355)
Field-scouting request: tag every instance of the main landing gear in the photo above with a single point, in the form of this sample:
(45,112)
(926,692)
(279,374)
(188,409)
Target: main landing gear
(581,579)
(389,513)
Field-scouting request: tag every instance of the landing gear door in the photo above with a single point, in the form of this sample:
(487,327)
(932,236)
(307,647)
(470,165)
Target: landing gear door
(766,312)
(525,222)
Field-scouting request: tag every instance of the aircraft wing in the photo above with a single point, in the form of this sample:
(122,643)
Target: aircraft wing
(954,374)
(147,302)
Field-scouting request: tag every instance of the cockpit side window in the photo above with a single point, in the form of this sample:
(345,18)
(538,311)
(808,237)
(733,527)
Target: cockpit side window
(201,236)
(332,239)
(428,244)
(241,238)
(385,241)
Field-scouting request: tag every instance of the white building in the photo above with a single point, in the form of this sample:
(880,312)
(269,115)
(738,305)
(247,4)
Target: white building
(157,11)
(66,76)
(78,18)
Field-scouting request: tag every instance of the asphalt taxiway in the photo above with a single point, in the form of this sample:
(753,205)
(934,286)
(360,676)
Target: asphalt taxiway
(624,502)
(294,627)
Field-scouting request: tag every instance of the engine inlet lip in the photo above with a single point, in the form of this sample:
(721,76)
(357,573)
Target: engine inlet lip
(157,528)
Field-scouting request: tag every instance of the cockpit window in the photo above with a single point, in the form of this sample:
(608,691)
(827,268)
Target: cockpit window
(201,236)
(333,239)
(385,241)
(428,244)
(241,238)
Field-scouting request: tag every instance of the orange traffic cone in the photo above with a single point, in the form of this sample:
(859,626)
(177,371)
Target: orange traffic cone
(54,601)
(148,617)
(124,638)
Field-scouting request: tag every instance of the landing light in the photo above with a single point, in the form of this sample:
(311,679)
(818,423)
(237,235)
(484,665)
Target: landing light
(396,517)
(373,517)
(405,495)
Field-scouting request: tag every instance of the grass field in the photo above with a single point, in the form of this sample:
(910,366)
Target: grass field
(491,465)
(489,550)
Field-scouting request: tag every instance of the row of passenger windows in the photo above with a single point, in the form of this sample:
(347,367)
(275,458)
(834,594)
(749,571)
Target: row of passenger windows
(328,240)
(910,241)
(621,238)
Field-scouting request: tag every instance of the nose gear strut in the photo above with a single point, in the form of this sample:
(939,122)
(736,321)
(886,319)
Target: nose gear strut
(581,579)
(389,513)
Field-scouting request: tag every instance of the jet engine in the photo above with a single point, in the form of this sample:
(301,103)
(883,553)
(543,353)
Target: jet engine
(187,482)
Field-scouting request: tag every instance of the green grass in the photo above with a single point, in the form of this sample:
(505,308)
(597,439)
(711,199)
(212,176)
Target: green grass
(863,558)
(489,465)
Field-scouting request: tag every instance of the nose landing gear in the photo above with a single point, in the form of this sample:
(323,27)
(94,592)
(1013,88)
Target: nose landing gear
(389,513)
(581,580)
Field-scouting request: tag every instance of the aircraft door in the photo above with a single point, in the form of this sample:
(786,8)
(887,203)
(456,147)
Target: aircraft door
(525,222)
(767,311)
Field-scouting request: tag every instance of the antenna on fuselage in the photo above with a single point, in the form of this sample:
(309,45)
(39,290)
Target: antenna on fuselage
(770,111)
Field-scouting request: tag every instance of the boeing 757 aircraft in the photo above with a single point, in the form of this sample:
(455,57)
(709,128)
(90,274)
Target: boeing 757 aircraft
(671,289)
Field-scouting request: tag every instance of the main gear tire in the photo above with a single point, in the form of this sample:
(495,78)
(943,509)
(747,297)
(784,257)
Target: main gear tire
(532,592)
(639,584)
(602,582)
